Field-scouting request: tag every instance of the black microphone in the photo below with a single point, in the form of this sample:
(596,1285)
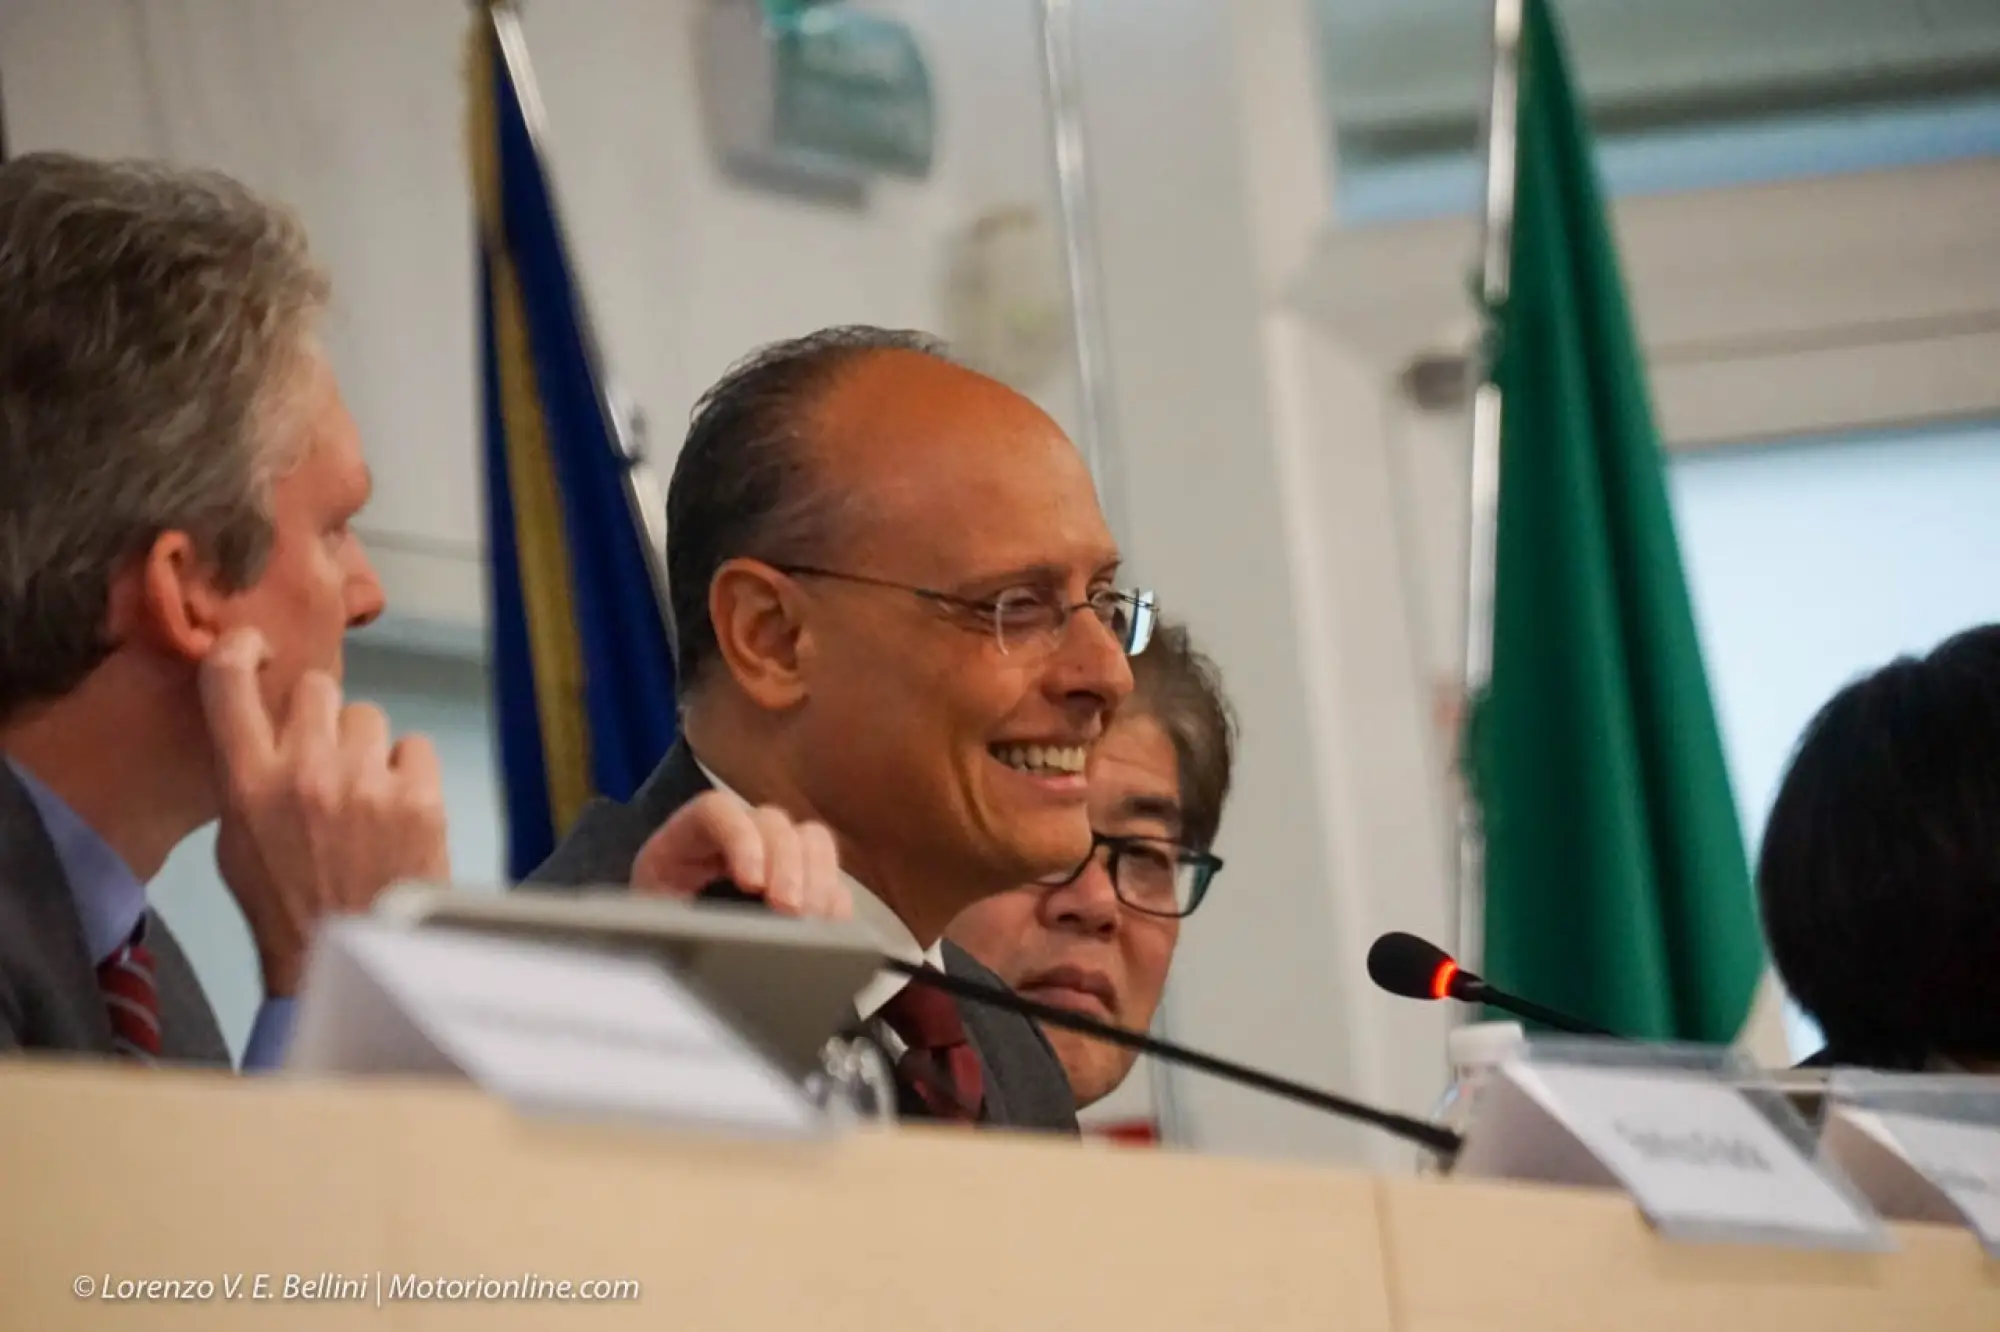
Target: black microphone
(1433,1137)
(1418,969)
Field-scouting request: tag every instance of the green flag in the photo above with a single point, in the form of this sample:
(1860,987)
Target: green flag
(1616,884)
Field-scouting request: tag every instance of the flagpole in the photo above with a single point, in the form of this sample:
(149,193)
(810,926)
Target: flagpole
(643,495)
(1483,525)
(1062,98)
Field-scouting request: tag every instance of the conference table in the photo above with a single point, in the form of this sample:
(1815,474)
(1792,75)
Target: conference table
(142,1199)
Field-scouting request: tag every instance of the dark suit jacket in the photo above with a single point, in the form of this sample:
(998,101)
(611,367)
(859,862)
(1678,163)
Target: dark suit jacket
(49,998)
(1025,1083)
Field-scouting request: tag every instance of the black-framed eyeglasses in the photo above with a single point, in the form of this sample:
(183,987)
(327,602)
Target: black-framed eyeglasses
(1151,875)
(1025,619)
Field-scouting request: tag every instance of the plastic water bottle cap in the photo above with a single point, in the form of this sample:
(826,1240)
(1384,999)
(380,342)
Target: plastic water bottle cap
(1484,1044)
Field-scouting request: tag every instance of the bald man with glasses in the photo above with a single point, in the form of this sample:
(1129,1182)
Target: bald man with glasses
(899,615)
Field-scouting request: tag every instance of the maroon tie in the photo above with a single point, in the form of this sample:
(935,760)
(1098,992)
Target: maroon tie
(126,978)
(939,1073)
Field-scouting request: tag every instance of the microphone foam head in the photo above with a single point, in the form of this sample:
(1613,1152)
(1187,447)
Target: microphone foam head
(1405,965)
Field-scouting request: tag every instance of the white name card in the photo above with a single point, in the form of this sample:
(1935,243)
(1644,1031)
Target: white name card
(552,1029)
(1698,1158)
(1918,1167)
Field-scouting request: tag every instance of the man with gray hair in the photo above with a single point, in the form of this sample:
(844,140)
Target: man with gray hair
(178,566)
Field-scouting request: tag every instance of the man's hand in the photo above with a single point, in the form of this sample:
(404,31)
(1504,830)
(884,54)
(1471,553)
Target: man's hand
(792,866)
(319,813)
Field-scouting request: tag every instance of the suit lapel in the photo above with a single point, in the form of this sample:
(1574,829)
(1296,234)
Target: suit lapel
(607,836)
(978,1032)
(676,781)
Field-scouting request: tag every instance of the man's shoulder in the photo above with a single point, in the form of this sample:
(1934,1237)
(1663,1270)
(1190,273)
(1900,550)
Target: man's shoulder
(49,995)
(36,922)
(601,846)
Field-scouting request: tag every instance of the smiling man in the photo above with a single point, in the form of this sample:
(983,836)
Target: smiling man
(898,614)
(1100,941)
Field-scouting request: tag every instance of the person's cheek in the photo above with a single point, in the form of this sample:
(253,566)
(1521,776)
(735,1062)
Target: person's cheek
(1149,954)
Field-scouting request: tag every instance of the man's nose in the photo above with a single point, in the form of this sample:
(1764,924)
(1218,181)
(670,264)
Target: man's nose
(1089,665)
(1088,904)
(365,598)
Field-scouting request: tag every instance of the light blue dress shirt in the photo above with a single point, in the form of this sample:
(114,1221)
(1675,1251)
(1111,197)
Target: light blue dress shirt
(111,903)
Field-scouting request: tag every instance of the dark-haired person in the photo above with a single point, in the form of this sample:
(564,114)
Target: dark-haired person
(178,568)
(1880,870)
(899,614)
(1100,941)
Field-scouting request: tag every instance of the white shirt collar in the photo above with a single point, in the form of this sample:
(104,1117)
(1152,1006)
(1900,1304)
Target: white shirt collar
(890,931)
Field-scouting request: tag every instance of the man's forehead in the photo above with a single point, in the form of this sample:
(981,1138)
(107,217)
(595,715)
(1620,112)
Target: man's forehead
(1139,801)
(1135,775)
(955,468)
(329,456)
(894,387)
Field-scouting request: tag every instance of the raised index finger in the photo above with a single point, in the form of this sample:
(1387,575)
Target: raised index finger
(232,700)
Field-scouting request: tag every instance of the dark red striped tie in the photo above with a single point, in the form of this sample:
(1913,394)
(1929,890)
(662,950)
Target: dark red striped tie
(126,979)
(939,1073)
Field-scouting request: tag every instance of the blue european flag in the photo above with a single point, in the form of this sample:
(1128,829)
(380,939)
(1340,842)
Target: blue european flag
(581,657)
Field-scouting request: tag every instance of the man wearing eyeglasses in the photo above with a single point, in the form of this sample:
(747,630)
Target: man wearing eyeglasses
(898,615)
(1099,941)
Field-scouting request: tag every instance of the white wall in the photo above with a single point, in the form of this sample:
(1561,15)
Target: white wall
(354,113)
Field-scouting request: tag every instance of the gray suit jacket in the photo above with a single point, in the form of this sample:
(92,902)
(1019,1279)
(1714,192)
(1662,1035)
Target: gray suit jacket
(1025,1083)
(49,998)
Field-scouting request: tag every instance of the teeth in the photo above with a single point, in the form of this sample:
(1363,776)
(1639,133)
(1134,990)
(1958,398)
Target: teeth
(1063,759)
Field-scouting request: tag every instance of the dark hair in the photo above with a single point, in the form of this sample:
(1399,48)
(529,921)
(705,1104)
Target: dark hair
(1880,871)
(743,485)
(1179,687)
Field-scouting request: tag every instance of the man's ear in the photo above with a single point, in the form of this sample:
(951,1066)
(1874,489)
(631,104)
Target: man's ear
(761,633)
(169,598)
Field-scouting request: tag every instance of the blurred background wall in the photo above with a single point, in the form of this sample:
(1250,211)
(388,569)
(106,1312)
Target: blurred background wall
(1286,192)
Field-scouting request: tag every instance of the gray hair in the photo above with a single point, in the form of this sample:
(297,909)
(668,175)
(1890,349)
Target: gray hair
(152,321)
(743,484)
